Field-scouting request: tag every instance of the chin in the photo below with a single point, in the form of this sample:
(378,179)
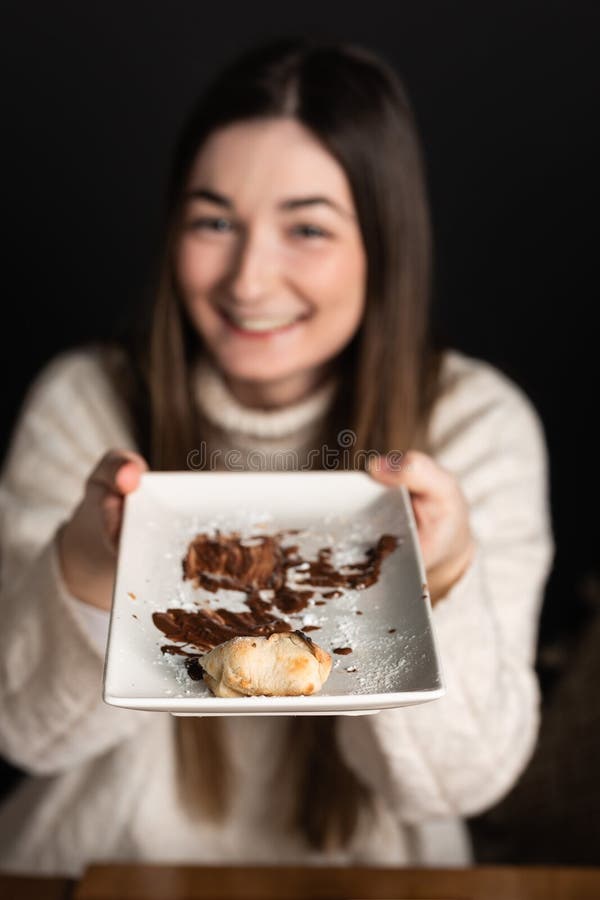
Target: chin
(259,371)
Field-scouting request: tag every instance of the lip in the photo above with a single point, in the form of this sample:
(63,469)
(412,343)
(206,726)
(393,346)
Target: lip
(261,334)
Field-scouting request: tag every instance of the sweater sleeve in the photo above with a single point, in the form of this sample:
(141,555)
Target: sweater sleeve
(93,621)
(460,754)
(52,715)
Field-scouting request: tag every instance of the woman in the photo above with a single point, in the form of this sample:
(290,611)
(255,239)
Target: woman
(291,302)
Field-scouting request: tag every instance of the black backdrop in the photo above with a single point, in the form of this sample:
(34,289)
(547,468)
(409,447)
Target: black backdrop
(505,94)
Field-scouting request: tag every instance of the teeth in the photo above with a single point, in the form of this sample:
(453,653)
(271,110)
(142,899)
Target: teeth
(262,324)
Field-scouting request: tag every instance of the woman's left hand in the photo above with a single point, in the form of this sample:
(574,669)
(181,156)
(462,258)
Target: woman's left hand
(441,513)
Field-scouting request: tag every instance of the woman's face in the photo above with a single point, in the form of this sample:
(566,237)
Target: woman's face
(270,262)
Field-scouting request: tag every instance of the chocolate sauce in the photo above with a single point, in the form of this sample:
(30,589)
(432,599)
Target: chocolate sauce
(290,601)
(225,562)
(192,661)
(356,576)
(177,651)
(194,669)
(207,628)
(252,565)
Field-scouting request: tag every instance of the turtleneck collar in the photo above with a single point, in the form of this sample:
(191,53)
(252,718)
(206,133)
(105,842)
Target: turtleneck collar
(223,409)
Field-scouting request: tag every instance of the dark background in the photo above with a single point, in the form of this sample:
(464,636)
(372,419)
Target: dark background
(506,97)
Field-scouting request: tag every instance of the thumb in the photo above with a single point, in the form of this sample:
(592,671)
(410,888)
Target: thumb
(129,474)
(413,469)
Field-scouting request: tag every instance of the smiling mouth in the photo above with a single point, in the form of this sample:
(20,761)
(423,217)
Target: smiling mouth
(263,325)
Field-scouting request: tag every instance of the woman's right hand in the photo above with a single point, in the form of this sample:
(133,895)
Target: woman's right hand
(88,541)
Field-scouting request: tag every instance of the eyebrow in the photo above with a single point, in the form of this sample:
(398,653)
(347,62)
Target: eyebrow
(291,203)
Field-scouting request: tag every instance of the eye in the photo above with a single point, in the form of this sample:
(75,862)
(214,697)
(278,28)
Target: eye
(217,224)
(310,231)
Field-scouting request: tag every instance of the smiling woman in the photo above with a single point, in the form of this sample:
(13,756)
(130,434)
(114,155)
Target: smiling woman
(270,261)
(290,311)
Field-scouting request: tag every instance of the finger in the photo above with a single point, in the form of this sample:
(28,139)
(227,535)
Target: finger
(128,476)
(112,513)
(105,474)
(415,470)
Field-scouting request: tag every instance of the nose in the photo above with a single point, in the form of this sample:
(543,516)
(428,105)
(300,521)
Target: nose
(253,271)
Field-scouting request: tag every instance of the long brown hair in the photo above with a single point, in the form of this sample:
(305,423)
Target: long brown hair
(354,103)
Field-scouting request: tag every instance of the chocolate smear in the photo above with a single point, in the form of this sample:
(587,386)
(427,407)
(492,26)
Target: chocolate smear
(207,628)
(356,576)
(252,565)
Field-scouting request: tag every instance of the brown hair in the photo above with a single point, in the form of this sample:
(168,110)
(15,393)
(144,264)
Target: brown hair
(355,105)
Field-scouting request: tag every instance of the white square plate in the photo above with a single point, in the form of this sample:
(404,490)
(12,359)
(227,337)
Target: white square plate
(394,656)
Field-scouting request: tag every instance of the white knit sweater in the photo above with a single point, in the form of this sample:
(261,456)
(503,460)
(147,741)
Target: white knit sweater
(101,780)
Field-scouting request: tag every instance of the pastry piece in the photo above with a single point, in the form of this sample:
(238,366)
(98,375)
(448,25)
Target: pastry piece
(283,664)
